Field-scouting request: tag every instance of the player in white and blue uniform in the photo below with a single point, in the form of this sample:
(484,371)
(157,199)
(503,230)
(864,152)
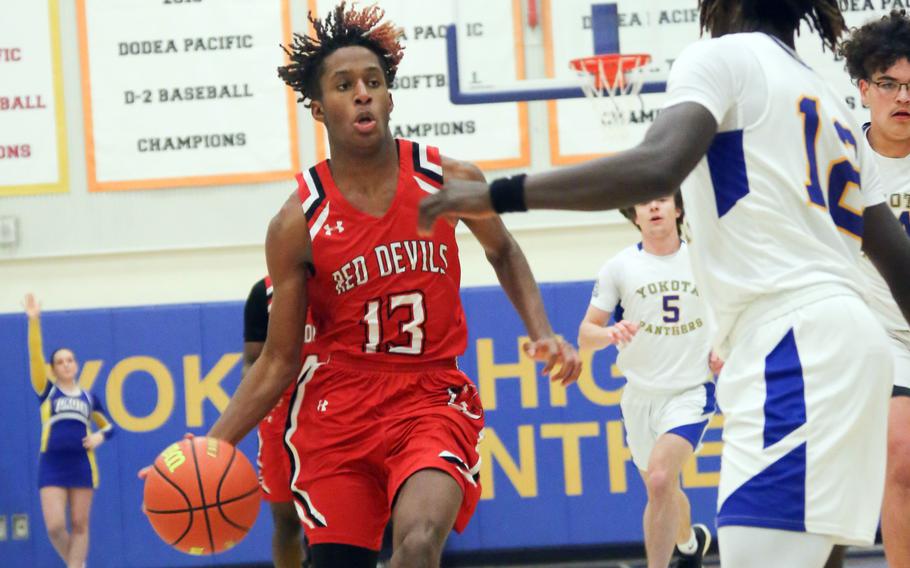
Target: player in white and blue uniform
(67,472)
(878,59)
(663,335)
(781,195)
(806,383)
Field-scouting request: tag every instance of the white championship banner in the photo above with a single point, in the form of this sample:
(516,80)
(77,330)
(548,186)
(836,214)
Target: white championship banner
(493,136)
(32,133)
(185,92)
(580,130)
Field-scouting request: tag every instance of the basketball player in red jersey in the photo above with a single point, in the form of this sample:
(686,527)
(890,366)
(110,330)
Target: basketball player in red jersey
(386,424)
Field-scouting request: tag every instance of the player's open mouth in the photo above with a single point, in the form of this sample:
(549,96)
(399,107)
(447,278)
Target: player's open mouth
(901,114)
(365,122)
(656,218)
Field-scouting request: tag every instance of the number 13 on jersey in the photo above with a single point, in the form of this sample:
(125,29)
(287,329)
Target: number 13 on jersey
(374,310)
(842,174)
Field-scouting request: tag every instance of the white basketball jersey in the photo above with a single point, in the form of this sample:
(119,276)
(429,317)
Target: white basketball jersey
(895,174)
(775,206)
(670,351)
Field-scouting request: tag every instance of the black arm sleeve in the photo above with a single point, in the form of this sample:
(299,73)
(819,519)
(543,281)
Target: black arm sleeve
(256,314)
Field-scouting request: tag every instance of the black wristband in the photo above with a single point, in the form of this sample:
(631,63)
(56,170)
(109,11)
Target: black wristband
(508,194)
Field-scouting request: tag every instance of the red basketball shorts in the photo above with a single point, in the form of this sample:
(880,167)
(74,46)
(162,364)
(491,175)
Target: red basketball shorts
(358,435)
(272,459)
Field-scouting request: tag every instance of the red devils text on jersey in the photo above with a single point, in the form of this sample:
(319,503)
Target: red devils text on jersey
(381,292)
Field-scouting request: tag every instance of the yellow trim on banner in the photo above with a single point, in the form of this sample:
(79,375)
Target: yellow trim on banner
(291,96)
(557,158)
(322,151)
(186,181)
(62,184)
(524,156)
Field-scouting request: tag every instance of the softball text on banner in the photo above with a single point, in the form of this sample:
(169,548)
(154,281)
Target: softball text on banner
(492,136)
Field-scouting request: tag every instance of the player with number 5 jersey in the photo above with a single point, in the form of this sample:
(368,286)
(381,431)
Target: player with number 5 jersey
(663,333)
(386,426)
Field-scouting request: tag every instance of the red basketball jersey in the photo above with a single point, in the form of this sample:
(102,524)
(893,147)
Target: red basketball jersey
(380,292)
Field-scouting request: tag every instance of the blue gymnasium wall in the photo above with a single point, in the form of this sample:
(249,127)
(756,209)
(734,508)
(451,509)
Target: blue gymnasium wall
(556,468)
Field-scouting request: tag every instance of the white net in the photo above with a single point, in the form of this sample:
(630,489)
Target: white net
(613,85)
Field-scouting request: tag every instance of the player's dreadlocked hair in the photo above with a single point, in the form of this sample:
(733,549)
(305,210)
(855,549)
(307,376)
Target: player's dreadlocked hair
(877,45)
(824,16)
(629,212)
(340,28)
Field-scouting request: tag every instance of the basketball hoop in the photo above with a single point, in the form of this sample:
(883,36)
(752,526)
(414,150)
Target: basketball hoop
(612,77)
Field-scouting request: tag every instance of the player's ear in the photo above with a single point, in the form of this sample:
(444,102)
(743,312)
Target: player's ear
(391,103)
(317,112)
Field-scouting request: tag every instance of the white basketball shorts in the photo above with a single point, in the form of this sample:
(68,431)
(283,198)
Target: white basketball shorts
(647,416)
(805,398)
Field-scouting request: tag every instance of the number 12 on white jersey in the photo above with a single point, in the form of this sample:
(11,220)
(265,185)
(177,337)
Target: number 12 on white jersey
(842,174)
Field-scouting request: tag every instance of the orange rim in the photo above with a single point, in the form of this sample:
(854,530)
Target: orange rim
(610,63)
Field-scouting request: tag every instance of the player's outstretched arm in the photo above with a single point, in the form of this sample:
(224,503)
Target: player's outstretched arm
(37,366)
(673,146)
(289,258)
(515,277)
(886,244)
(593,335)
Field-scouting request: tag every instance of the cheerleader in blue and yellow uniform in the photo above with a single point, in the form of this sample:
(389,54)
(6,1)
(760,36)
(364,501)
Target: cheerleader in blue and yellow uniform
(67,472)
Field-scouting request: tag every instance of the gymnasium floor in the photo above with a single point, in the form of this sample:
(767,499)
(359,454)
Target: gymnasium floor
(866,562)
(869,558)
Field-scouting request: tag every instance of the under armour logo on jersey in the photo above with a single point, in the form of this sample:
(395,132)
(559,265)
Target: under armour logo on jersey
(320,406)
(338,228)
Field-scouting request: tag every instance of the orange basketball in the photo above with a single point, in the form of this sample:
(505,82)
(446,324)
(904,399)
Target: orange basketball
(201,495)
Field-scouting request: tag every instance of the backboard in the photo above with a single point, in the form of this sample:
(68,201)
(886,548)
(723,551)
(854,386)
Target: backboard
(571,29)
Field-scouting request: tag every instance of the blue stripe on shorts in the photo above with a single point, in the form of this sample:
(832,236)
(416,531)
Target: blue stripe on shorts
(692,433)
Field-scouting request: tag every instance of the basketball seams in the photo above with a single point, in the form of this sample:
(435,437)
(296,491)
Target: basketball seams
(186,498)
(226,473)
(183,494)
(205,511)
(219,503)
(194,509)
